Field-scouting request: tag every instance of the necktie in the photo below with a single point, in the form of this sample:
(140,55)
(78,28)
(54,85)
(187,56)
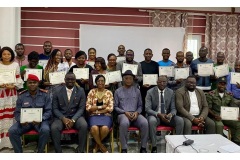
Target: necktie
(162,104)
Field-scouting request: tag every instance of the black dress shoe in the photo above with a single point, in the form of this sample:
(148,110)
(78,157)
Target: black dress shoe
(124,151)
(143,150)
(154,150)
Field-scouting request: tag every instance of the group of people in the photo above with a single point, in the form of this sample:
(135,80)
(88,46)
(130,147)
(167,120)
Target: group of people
(81,105)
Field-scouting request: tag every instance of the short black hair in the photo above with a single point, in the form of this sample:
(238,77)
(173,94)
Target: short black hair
(80,53)
(192,76)
(130,50)
(8,49)
(67,50)
(147,49)
(166,49)
(111,54)
(92,49)
(68,73)
(47,42)
(102,61)
(33,55)
(99,76)
(19,44)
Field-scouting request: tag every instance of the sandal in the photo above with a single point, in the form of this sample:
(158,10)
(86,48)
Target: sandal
(96,148)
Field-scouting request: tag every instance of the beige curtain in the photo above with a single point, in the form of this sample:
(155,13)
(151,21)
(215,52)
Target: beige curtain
(223,35)
(171,19)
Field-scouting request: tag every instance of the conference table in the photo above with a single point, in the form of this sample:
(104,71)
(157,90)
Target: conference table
(203,143)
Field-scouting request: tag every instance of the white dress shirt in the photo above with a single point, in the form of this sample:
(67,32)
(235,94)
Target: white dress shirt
(194,108)
(69,93)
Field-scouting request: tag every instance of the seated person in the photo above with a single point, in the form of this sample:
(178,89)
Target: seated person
(68,111)
(33,97)
(160,109)
(99,107)
(128,106)
(192,106)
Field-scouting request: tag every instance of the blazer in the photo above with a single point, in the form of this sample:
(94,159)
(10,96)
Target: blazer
(72,109)
(152,101)
(183,103)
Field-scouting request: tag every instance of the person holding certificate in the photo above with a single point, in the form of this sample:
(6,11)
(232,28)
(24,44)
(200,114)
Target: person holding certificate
(99,106)
(203,82)
(111,66)
(68,111)
(220,97)
(8,92)
(33,97)
(47,50)
(80,59)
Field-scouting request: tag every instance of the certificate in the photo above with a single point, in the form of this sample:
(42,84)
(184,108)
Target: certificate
(57,77)
(132,67)
(36,72)
(81,73)
(166,71)
(7,76)
(150,79)
(122,58)
(221,70)
(91,63)
(235,78)
(205,69)
(181,73)
(42,62)
(114,76)
(106,79)
(229,113)
(30,115)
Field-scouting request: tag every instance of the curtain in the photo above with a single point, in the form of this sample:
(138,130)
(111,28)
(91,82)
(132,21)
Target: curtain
(171,19)
(223,35)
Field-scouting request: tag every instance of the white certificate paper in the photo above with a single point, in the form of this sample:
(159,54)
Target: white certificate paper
(7,76)
(81,73)
(57,77)
(132,67)
(150,79)
(181,73)
(235,78)
(36,72)
(221,70)
(30,115)
(205,69)
(121,58)
(166,71)
(114,76)
(42,62)
(91,63)
(229,113)
(106,78)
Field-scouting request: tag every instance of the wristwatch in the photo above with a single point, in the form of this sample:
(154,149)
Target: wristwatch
(73,120)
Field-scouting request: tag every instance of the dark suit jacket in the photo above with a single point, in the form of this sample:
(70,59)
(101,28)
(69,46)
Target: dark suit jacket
(73,109)
(183,103)
(152,101)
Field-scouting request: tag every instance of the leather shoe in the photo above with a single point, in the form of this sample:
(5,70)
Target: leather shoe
(154,150)
(143,150)
(124,151)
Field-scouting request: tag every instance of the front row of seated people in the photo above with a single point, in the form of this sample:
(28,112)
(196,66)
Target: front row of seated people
(186,107)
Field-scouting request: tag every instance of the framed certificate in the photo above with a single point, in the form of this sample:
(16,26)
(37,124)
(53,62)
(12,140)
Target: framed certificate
(42,62)
(81,73)
(57,77)
(205,69)
(91,63)
(7,76)
(30,115)
(132,67)
(166,71)
(235,78)
(95,75)
(221,70)
(114,76)
(229,113)
(36,72)
(181,73)
(121,58)
(150,79)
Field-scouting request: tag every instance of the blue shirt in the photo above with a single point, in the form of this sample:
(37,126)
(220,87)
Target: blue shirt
(43,57)
(232,87)
(168,63)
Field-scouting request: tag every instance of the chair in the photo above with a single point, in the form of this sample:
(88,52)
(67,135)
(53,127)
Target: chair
(111,140)
(229,132)
(197,128)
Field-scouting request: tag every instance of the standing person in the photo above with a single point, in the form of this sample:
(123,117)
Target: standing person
(68,111)
(203,82)
(148,67)
(99,107)
(166,61)
(220,97)
(121,51)
(33,97)
(128,106)
(160,108)
(129,60)
(80,58)
(111,66)
(68,57)
(234,88)
(47,49)
(8,95)
(33,59)
(189,58)
(21,59)
(192,106)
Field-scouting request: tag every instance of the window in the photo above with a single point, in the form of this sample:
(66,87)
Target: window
(194,44)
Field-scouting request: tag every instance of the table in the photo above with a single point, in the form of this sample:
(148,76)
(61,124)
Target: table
(212,143)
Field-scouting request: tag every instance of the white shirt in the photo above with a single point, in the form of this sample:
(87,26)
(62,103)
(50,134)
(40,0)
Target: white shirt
(194,108)
(69,93)
(159,95)
(221,95)
(66,64)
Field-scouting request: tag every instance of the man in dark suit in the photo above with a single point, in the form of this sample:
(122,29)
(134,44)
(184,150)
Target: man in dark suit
(192,105)
(68,108)
(160,109)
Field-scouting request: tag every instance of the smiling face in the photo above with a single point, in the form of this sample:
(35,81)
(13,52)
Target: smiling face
(221,86)
(100,83)
(92,55)
(81,60)
(32,85)
(203,52)
(191,84)
(220,57)
(98,66)
(58,57)
(121,50)
(47,47)
(165,54)
(148,55)
(70,80)
(162,82)
(6,56)
(129,56)
(33,63)
(112,61)
(68,54)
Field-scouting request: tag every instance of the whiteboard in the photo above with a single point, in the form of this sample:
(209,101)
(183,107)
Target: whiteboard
(106,39)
